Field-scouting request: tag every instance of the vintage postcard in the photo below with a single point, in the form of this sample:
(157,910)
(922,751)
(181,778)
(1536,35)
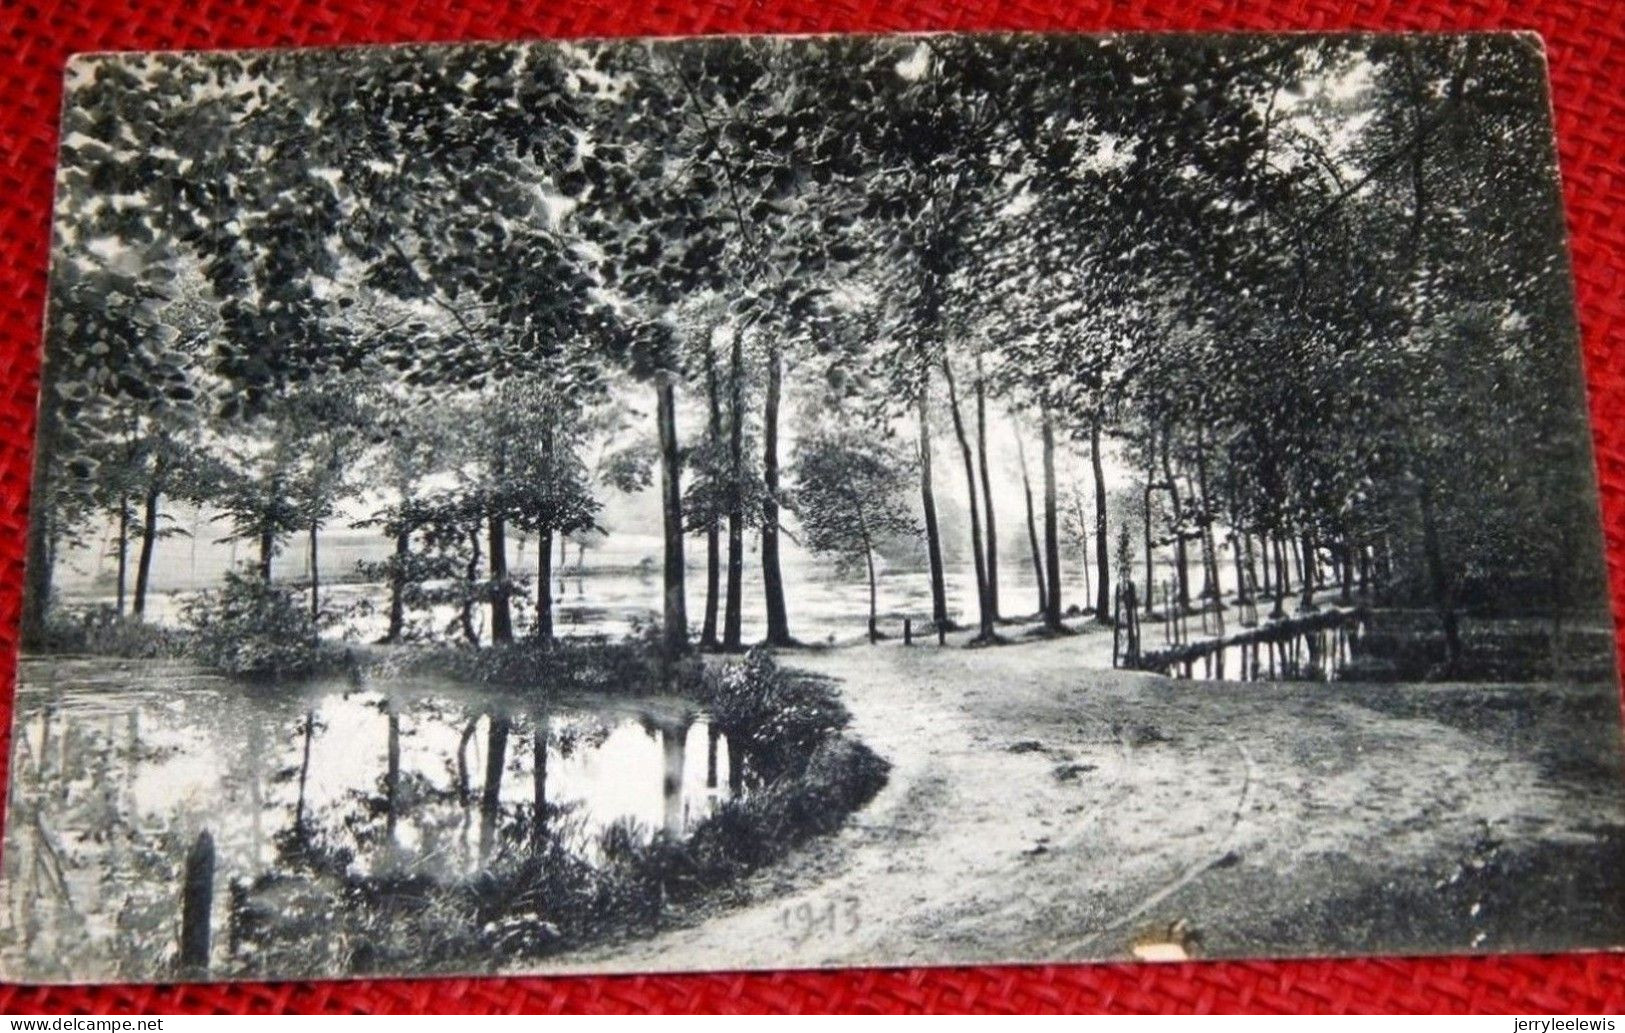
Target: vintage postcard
(782,502)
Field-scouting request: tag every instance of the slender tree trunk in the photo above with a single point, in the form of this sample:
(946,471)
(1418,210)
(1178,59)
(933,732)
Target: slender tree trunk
(1145,510)
(1282,584)
(869,558)
(778,620)
(267,550)
(987,493)
(40,552)
(149,541)
(1210,546)
(315,577)
(675,610)
(544,584)
(1241,565)
(1439,578)
(496,762)
(471,577)
(984,613)
(501,610)
(1032,529)
(1103,594)
(1052,529)
(1182,576)
(928,503)
(397,587)
(392,774)
(733,617)
(713,524)
(123,548)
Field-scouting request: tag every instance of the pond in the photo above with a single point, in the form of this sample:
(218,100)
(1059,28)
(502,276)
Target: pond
(116,768)
(1312,654)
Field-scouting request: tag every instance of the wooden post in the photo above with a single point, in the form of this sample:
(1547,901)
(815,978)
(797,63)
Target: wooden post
(908,632)
(197,898)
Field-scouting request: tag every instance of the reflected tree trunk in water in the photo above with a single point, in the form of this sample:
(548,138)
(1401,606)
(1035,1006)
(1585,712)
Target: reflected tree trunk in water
(673,747)
(304,774)
(464,794)
(496,759)
(538,779)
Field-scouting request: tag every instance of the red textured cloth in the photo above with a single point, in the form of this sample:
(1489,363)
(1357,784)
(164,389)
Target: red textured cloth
(1588,70)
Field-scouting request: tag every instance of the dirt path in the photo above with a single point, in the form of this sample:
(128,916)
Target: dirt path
(1042,806)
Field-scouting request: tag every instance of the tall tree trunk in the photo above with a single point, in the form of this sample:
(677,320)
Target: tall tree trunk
(985,628)
(675,614)
(42,520)
(471,577)
(123,548)
(869,558)
(928,502)
(1242,562)
(987,493)
(497,558)
(1282,584)
(733,616)
(392,774)
(1210,547)
(496,762)
(149,541)
(1439,578)
(315,576)
(1032,529)
(544,585)
(713,523)
(1052,529)
(267,550)
(1145,511)
(1308,571)
(778,620)
(397,587)
(1103,594)
(1182,576)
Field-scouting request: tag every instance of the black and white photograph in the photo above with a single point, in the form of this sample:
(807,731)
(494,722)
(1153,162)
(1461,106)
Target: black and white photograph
(789,502)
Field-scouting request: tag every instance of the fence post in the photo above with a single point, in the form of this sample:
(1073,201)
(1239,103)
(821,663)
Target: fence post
(197,899)
(908,632)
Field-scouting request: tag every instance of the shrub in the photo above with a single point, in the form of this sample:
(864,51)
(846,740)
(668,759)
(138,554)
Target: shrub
(250,627)
(101,631)
(775,716)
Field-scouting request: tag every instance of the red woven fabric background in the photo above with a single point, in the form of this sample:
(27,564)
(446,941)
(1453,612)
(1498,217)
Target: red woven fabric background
(1588,71)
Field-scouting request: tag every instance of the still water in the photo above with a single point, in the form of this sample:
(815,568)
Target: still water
(117,767)
(1318,654)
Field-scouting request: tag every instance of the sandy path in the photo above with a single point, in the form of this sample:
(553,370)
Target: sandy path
(1042,806)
